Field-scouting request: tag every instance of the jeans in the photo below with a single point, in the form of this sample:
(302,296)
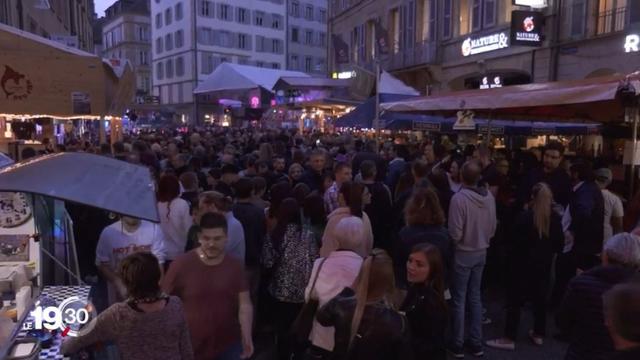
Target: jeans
(233,352)
(467,279)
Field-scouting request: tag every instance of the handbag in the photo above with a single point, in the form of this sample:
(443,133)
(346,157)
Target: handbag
(301,327)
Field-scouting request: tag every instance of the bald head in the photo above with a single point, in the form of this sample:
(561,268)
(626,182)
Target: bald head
(471,173)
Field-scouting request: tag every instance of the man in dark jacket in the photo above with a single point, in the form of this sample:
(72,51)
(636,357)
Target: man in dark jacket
(370,152)
(313,177)
(622,313)
(580,316)
(380,207)
(550,173)
(398,165)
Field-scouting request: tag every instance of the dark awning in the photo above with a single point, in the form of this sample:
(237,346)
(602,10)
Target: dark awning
(87,179)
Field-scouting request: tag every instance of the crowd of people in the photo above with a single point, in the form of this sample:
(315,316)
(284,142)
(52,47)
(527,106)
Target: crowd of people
(346,248)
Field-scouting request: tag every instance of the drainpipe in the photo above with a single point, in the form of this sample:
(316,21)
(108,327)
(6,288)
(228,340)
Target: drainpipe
(554,42)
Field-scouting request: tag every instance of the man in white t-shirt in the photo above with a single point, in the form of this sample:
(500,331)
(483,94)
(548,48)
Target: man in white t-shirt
(613,210)
(123,238)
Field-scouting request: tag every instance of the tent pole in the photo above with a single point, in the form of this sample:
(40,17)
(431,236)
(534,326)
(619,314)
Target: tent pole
(377,118)
(635,115)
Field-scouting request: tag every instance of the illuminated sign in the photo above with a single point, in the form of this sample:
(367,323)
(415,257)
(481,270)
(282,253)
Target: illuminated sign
(343,75)
(496,82)
(255,102)
(531,3)
(632,43)
(484,44)
(526,28)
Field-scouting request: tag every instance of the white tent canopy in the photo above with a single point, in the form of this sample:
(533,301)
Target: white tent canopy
(230,76)
(392,85)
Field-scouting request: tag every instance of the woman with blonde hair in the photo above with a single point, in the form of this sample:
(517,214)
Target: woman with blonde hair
(366,325)
(537,237)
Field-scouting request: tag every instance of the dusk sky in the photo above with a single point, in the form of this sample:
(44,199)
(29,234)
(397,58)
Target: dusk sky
(102,5)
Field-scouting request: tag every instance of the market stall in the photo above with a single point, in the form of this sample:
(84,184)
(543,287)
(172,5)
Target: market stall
(75,85)
(41,271)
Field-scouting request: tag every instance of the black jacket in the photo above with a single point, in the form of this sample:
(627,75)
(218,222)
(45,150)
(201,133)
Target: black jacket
(381,164)
(383,332)
(586,206)
(529,254)
(428,320)
(559,182)
(631,354)
(581,317)
(313,180)
(254,225)
(378,212)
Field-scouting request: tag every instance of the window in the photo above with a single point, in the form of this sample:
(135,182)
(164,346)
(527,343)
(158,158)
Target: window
(276,21)
(168,16)
(142,33)
(168,42)
(320,65)
(429,13)
(446,19)
(476,13)
(308,64)
(205,36)
(409,21)
(295,9)
(322,39)
(260,43)
(308,37)
(206,8)
(276,46)
(295,38)
(159,47)
(243,60)
(224,39)
(242,16)
(160,70)
(293,62)
(578,18)
(244,42)
(207,63)
(179,38)
(308,12)
(169,68)
(611,15)
(490,12)
(358,43)
(180,66)
(322,15)
(179,12)
(143,58)
(259,64)
(258,18)
(224,11)
(634,12)
(158,20)
(275,66)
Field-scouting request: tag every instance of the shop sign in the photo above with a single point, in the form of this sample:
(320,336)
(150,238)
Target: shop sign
(424,126)
(526,28)
(495,83)
(484,44)
(465,120)
(632,43)
(343,75)
(531,3)
(536,131)
(495,130)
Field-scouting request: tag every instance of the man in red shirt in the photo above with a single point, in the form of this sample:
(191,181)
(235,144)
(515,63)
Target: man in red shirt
(215,295)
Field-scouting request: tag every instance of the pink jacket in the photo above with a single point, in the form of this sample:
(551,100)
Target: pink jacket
(330,239)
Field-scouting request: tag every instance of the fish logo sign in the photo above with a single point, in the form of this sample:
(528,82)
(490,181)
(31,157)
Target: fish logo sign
(16,86)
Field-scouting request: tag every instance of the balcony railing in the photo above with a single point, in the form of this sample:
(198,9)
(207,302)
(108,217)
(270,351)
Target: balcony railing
(422,53)
(612,20)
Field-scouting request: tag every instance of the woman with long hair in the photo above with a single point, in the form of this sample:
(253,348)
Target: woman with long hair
(425,306)
(279,192)
(148,325)
(314,215)
(539,236)
(425,222)
(352,198)
(366,325)
(175,217)
(295,174)
(295,250)
(453,167)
